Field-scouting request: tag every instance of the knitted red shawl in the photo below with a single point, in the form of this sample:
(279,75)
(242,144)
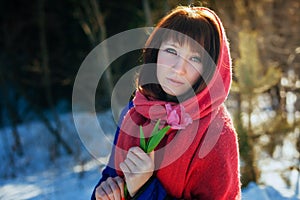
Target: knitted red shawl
(201,160)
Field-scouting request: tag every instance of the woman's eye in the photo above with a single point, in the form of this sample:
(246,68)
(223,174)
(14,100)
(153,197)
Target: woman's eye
(171,51)
(196,59)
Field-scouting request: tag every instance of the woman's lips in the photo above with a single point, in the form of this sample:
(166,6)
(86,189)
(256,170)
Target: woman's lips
(174,82)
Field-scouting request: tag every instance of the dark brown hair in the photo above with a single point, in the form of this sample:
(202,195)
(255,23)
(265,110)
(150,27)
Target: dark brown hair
(183,24)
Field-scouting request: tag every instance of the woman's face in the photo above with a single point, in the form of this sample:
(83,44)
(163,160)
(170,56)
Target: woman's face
(178,67)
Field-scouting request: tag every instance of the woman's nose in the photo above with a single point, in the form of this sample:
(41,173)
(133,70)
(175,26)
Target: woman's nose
(181,65)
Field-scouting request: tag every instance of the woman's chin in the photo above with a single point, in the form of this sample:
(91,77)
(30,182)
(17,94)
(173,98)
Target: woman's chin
(172,92)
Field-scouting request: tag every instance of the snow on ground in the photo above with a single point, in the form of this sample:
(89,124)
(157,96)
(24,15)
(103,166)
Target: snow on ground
(38,176)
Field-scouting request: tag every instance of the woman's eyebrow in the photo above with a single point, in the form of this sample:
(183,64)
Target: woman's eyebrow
(196,53)
(171,43)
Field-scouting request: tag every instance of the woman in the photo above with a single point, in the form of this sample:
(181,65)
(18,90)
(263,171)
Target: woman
(185,89)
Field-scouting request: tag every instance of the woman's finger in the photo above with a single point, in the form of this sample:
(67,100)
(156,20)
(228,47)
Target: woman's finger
(137,150)
(125,169)
(132,165)
(139,153)
(135,158)
(121,185)
(114,188)
(100,194)
(151,154)
(107,189)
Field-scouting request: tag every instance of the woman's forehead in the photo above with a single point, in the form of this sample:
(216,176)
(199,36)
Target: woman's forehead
(184,42)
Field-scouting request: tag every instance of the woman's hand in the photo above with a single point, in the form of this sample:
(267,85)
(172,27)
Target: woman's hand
(138,167)
(112,188)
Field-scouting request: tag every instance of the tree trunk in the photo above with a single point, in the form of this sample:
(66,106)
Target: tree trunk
(147,11)
(251,161)
(96,33)
(47,77)
(166,6)
(13,117)
(103,35)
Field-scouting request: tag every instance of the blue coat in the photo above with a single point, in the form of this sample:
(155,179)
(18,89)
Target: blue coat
(152,189)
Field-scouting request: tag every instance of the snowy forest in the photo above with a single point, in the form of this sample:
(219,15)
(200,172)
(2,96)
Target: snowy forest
(43,44)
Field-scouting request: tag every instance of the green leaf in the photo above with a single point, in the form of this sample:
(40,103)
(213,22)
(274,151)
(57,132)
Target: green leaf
(155,129)
(156,138)
(125,191)
(142,139)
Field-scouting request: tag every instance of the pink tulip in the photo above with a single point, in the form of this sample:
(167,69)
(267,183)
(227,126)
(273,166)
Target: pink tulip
(177,118)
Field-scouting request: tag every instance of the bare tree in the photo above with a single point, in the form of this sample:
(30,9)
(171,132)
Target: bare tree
(47,81)
(92,21)
(277,42)
(12,116)
(147,11)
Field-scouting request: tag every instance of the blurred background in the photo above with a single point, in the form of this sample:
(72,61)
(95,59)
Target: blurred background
(43,43)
